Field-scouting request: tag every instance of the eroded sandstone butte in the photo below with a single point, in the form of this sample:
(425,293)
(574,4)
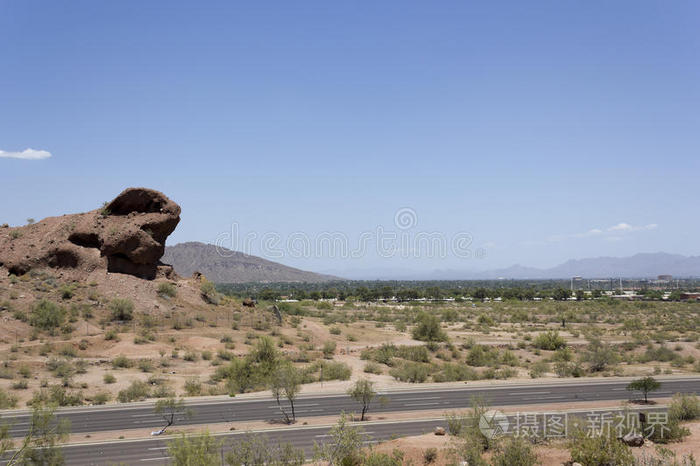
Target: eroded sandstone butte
(127,235)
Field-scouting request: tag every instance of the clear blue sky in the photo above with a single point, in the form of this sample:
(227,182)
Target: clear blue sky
(535,126)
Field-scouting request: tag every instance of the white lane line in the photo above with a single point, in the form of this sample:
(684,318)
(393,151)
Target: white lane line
(156,459)
(530,393)
(422,398)
(543,397)
(143,415)
(419,404)
(296,406)
(158,448)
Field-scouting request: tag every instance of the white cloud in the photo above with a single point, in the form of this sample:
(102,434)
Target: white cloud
(625,227)
(26,154)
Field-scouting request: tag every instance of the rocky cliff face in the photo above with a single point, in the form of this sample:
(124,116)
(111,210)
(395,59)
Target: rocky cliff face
(126,236)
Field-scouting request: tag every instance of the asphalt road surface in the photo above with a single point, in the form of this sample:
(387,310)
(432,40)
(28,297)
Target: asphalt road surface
(113,418)
(155,451)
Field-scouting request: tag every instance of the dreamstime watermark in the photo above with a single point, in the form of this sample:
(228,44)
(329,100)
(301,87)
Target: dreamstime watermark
(403,240)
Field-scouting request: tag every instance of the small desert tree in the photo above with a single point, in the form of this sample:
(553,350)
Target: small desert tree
(170,409)
(41,444)
(286,383)
(345,446)
(254,449)
(645,385)
(196,450)
(428,329)
(363,392)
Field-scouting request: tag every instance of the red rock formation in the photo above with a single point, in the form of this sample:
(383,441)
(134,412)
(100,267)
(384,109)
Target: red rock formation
(126,236)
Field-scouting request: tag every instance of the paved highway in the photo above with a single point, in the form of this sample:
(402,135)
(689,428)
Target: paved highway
(155,452)
(95,419)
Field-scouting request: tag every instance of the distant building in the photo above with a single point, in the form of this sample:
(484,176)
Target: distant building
(665,278)
(694,296)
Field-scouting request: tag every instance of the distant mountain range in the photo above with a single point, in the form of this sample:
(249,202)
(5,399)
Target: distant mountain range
(225,266)
(646,265)
(222,265)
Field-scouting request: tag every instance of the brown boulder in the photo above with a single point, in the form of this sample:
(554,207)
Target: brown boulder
(126,236)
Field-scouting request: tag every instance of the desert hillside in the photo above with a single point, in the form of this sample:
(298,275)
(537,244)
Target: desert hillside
(222,265)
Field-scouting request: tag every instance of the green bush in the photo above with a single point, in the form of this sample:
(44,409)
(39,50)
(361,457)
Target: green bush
(331,370)
(430,455)
(684,407)
(428,329)
(515,452)
(373,368)
(550,341)
(455,373)
(122,309)
(167,290)
(193,387)
(413,372)
(47,315)
(7,400)
(101,398)
(135,392)
(66,291)
(122,361)
(209,293)
(109,378)
(329,349)
(600,450)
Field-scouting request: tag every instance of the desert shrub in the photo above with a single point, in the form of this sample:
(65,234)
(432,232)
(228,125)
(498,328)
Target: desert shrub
(57,395)
(550,341)
(137,391)
(482,355)
(428,329)
(190,356)
(413,372)
(111,335)
(454,373)
(47,315)
(335,330)
(122,361)
(24,371)
(515,452)
(20,385)
(167,290)
(684,407)
(388,351)
(430,455)
(109,378)
(538,369)
(101,398)
(329,349)
(332,370)
(66,291)
(163,391)
(193,387)
(145,365)
(121,309)
(373,368)
(600,355)
(599,450)
(7,400)
(209,293)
